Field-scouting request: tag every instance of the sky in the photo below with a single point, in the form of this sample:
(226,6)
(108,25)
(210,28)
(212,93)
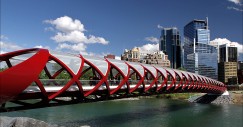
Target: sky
(100,27)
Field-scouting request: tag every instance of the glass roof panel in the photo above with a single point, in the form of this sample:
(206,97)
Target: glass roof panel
(121,65)
(138,67)
(185,73)
(190,74)
(222,84)
(72,61)
(100,63)
(20,58)
(207,80)
(210,80)
(195,76)
(179,73)
(171,72)
(203,78)
(151,68)
(200,77)
(52,67)
(162,70)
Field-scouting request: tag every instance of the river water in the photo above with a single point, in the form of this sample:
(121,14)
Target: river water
(151,112)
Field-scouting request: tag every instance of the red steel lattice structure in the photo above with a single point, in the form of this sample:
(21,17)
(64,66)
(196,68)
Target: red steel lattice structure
(21,77)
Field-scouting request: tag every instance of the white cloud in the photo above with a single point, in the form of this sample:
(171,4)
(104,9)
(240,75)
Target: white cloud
(159,26)
(117,57)
(73,37)
(7,46)
(73,47)
(93,39)
(44,47)
(70,34)
(221,41)
(238,5)
(100,55)
(235,8)
(66,24)
(3,37)
(149,48)
(152,39)
(2,52)
(238,2)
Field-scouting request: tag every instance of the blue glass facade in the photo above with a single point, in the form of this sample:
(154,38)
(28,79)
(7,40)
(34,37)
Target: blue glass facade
(199,56)
(203,36)
(170,44)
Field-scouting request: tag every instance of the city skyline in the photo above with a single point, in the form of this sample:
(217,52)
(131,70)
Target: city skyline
(199,56)
(104,27)
(170,44)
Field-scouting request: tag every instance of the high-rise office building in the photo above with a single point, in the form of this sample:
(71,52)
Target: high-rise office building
(240,72)
(199,56)
(228,53)
(227,66)
(170,44)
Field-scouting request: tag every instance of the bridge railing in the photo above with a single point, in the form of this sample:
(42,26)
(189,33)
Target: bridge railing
(77,67)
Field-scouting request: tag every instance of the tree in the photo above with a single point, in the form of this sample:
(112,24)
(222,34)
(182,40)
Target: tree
(87,75)
(181,68)
(64,75)
(4,68)
(43,75)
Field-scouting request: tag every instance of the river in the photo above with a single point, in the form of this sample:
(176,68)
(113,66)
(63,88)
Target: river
(151,112)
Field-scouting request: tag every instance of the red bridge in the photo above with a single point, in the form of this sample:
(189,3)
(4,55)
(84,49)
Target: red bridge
(34,78)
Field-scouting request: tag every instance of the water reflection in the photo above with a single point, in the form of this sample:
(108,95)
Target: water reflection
(139,113)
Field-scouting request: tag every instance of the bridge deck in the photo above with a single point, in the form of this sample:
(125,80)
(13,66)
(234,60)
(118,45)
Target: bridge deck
(32,89)
(45,75)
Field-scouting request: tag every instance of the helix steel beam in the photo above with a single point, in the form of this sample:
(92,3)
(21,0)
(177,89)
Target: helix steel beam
(21,77)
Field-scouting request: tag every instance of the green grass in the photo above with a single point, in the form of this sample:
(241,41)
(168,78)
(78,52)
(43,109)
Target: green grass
(180,96)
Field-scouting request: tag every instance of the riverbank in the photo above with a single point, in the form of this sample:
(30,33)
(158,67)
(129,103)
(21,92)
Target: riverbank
(234,97)
(179,96)
(237,97)
(22,122)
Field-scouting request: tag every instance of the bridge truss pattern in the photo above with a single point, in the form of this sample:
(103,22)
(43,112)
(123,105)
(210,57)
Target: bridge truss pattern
(42,74)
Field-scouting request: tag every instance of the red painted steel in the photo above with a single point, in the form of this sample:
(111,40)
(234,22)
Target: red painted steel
(186,80)
(140,76)
(179,74)
(153,82)
(103,78)
(72,81)
(173,80)
(164,75)
(15,79)
(125,78)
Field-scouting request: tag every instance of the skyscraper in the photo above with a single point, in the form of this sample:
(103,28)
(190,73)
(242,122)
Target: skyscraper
(240,72)
(170,44)
(227,66)
(199,56)
(228,53)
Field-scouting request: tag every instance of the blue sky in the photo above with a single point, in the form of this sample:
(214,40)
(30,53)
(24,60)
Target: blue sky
(110,26)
